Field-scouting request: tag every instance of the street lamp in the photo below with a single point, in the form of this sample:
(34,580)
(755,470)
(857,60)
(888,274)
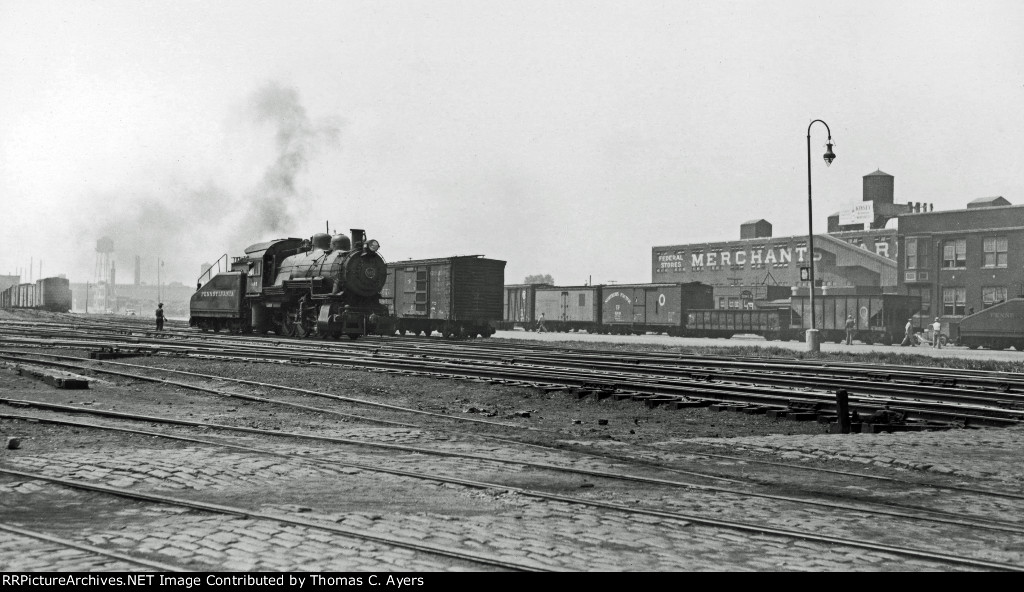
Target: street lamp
(813,339)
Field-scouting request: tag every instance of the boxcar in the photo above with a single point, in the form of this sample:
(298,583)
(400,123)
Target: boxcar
(572,308)
(997,327)
(457,296)
(642,308)
(26,296)
(53,294)
(518,307)
(878,318)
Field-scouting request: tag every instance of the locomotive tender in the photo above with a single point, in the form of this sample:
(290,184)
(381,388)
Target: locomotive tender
(323,286)
(998,327)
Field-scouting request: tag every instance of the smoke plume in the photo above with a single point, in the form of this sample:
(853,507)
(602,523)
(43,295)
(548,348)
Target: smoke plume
(297,139)
(187,221)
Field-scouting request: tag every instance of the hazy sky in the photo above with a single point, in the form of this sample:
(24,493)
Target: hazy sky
(564,137)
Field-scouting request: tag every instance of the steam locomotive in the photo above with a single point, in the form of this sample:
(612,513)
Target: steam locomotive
(323,286)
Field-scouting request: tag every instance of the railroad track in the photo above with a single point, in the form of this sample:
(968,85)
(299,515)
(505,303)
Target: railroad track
(327,412)
(1007,527)
(335,461)
(759,385)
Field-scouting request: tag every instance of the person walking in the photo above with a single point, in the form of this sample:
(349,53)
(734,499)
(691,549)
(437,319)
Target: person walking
(160,317)
(540,325)
(850,326)
(937,334)
(908,339)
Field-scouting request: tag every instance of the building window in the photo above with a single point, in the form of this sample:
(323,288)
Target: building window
(911,253)
(925,294)
(721,302)
(583,299)
(995,251)
(954,301)
(992,295)
(954,253)
(734,302)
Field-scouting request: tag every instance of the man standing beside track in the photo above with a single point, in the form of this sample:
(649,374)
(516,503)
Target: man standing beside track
(850,326)
(160,317)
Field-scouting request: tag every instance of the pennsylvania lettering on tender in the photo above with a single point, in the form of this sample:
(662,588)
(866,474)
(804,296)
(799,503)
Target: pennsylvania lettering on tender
(215,293)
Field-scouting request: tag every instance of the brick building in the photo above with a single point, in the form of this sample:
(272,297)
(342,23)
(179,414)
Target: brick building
(962,261)
(858,252)
(956,261)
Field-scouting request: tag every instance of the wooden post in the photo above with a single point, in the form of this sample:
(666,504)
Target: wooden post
(843,405)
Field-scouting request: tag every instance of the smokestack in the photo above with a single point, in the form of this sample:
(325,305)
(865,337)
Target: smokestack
(358,237)
(111,291)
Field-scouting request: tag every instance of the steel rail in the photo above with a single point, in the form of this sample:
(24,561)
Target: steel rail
(577,359)
(92,549)
(584,357)
(558,376)
(935,515)
(457,418)
(734,525)
(246,513)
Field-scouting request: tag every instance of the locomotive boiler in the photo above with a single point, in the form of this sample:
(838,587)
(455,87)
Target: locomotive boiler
(323,286)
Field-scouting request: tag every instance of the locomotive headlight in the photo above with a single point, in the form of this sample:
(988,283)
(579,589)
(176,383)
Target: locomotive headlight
(373,246)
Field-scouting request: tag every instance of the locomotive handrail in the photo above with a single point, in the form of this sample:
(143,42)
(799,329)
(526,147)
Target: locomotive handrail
(208,274)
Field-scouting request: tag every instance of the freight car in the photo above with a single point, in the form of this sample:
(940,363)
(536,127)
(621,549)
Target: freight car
(323,286)
(878,318)
(773,323)
(519,306)
(456,296)
(658,308)
(615,308)
(52,294)
(570,308)
(998,327)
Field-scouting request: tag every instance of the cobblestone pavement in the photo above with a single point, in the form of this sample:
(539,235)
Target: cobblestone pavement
(540,534)
(499,523)
(989,455)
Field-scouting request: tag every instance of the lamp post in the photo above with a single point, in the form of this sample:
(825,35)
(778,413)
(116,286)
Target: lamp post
(813,339)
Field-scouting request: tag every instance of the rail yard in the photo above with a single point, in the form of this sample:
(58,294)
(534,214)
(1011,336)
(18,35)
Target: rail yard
(181,450)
